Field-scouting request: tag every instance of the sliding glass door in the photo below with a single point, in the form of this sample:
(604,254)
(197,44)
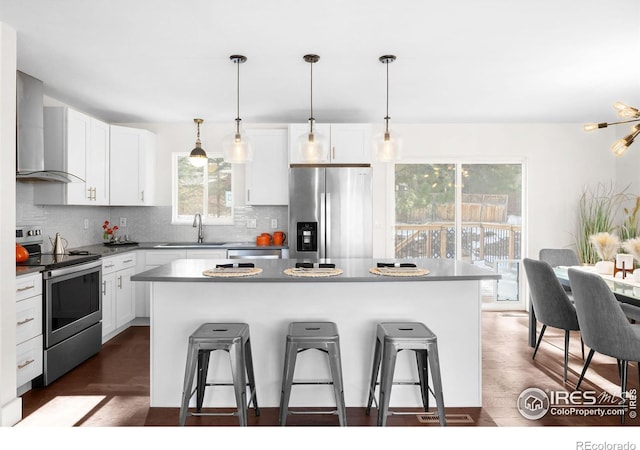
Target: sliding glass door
(466,211)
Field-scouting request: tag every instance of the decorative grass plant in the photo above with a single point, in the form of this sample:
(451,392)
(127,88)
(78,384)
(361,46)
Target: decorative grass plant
(596,213)
(605,244)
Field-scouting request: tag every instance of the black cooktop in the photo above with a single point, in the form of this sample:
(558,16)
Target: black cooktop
(50,261)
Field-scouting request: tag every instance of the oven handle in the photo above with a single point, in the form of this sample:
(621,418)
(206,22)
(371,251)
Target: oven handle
(47,274)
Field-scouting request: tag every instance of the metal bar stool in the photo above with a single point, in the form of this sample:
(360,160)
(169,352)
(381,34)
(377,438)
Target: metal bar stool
(234,339)
(321,336)
(392,338)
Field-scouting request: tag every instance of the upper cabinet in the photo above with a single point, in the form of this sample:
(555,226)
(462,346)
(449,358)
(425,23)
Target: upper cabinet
(267,176)
(77,144)
(133,161)
(348,143)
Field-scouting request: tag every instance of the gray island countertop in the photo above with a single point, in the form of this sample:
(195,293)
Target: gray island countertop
(354,270)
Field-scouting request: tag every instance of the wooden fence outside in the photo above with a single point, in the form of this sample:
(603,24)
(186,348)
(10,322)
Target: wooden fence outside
(481,241)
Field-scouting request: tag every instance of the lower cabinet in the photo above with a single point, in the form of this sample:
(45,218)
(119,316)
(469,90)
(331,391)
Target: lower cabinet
(29,357)
(118,302)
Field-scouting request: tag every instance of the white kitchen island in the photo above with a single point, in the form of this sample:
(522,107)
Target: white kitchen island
(447,300)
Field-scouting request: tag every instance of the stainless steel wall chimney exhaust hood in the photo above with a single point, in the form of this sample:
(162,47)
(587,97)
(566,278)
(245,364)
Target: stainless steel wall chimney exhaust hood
(30,133)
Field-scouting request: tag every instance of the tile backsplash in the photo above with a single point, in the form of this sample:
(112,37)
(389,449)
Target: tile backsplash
(144,223)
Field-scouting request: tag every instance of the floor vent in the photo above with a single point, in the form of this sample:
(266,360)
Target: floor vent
(451,418)
(515,315)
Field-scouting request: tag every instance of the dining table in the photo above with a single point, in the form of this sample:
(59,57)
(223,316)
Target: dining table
(626,290)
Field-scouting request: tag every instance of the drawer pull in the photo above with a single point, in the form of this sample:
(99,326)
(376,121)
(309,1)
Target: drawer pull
(26,288)
(127,260)
(22,322)
(26,363)
(109,266)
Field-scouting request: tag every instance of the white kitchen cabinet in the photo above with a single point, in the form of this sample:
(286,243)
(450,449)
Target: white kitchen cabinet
(267,176)
(349,143)
(77,144)
(132,166)
(118,302)
(29,356)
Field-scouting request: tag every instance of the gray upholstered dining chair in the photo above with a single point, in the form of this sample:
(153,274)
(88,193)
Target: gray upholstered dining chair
(551,303)
(603,324)
(559,257)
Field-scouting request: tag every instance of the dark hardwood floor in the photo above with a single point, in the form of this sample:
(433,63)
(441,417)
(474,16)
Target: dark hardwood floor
(112,388)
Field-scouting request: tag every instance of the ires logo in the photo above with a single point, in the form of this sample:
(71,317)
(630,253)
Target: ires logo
(574,398)
(534,403)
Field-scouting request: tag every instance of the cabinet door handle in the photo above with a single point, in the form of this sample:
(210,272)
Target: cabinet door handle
(120,282)
(142,196)
(333,152)
(248,195)
(26,288)
(104,288)
(26,363)
(22,322)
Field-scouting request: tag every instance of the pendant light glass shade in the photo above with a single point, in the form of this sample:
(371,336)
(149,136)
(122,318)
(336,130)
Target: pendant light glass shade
(198,157)
(236,147)
(312,146)
(387,145)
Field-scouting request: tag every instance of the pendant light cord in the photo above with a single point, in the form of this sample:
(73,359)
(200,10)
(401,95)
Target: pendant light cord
(311,119)
(386,119)
(238,99)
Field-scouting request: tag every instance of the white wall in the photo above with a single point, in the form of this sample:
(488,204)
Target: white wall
(10,404)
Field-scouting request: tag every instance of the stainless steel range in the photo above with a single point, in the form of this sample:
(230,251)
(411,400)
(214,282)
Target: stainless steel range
(72,309)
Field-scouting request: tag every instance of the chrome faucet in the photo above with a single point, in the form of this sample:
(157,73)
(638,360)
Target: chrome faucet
(197,222)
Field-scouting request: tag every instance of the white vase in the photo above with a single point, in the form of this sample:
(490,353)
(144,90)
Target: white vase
(604,267)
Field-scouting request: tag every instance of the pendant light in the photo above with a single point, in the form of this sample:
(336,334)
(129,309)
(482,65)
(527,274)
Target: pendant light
(236,148)
(312,146)
(198,157)
(388,146)
(631,115)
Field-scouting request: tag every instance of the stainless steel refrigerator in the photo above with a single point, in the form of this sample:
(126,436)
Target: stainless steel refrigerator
(330,212)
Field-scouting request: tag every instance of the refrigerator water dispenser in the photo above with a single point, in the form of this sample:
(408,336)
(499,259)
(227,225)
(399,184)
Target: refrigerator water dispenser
(307,233)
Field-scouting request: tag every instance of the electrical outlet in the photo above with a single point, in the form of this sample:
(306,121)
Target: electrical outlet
(86,224)
(251,223)
(123,222)
(274,223)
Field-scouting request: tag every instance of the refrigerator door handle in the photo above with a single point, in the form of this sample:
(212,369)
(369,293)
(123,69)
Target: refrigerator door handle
(327,224)
(322,229)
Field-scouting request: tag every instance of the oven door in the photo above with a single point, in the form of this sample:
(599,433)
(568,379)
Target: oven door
(72,300)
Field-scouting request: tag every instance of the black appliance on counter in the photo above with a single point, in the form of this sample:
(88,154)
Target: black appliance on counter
(72,305)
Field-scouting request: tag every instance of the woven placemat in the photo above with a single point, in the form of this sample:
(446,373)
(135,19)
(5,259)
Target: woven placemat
(227,272)
(313,272)
(399,271)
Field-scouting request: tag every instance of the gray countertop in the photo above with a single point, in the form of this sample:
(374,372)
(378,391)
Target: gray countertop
(354,270)
(110,250)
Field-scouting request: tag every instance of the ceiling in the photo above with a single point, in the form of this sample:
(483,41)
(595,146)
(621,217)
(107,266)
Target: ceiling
(479,61)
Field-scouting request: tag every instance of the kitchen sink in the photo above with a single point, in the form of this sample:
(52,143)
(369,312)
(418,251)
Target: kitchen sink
(191,245)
